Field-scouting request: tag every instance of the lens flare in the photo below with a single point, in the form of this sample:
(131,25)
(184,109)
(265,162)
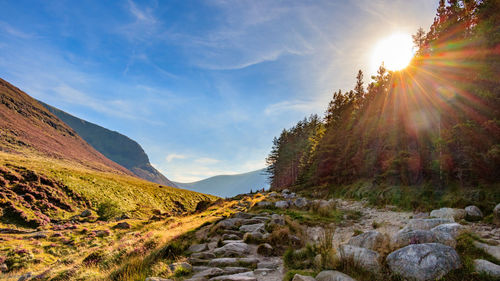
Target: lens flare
(395,51)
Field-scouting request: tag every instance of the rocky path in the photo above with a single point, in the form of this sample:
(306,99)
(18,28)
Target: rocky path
(412,245)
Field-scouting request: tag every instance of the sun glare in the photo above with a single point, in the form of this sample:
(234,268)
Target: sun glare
(395,51)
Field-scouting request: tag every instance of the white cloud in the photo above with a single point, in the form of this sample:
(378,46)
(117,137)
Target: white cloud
(171,157)
(294,105)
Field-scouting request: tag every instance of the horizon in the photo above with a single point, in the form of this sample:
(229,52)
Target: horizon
(242,71)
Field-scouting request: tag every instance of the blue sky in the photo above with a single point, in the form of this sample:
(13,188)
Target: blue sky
(203,86)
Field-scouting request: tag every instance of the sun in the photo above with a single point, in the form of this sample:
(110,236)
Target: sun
(395,51)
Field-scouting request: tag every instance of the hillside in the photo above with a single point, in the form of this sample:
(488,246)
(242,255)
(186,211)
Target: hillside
(229,185)
(117,147)
(48,173)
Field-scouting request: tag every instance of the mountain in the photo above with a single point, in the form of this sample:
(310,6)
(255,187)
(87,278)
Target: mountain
(25,125)
(49,174)
(113,145)
(229,185)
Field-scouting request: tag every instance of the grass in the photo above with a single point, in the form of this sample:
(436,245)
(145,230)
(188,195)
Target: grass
(132,195)
(420,198)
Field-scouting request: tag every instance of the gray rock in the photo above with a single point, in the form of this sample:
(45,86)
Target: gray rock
(493,251)
(122,225)
(177,265)
(496,212)
(298,277)
(229,223)
(289,195)
(333,275)
(453,229)
(404,238)
(449,213)
(262,218)
(196,248)
(223,262)
(245,276)
(230,236)
(203,255)
(86,213)
(473,213)
(282,204)
(264,204)
(243,215)
(285,191)
(301,202)
(258,227)
(273,194)
(488,268)
(372,240)
(425,224)
(158,279)
(237,249)
(268,264)
(234,269)
(209,272)
(365,258)
(212,245)
(278,219)
(423,261)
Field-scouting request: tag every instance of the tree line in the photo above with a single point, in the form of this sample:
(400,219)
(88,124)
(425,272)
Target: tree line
(435,121)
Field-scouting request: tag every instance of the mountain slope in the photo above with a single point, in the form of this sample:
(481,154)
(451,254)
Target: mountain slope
(49,174)
(229,185)
(25,125)
(113,145)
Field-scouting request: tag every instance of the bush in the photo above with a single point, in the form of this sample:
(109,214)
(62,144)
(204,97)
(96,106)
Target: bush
(108,210)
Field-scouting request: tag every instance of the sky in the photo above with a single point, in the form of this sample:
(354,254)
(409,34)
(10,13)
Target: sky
(203,86)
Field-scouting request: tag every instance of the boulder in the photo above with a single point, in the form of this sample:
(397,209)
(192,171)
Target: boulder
(277,219)
(158,279)
(258,227)
(196,248)
(425,224)
(282,204)
(453,229)
(177,265)
(488,268)
(298,277)
(273,194)
(332,275)
(233,250)
(234,269)
(449,213)
(203,255)
(372,240)
(404,238)
(285,191)
(289,195)
(301,202)
(264,204)
(493,251)
(365,258)
(268,264)
(423,261)
(473,213)
(229,223)
(265,250)
(122,225)
(224,262)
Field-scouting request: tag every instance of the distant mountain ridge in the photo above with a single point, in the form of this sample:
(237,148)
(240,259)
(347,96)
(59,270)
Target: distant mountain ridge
(114,146)
(229,185)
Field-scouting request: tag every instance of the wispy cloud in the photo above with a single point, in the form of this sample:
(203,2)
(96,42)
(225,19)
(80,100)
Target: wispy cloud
(171,157)
(303,106)
(206,161)
(14,31)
